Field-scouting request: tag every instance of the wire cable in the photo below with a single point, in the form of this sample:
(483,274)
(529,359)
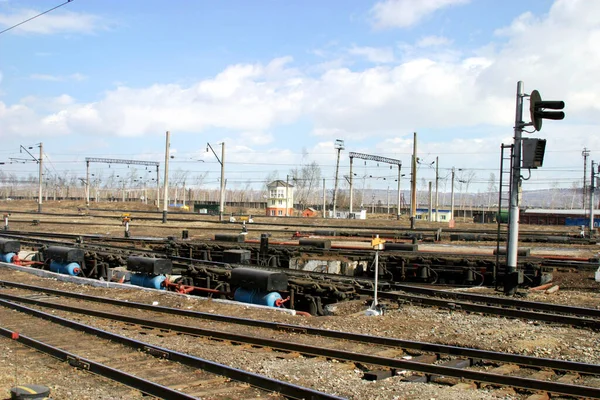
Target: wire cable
(35,16)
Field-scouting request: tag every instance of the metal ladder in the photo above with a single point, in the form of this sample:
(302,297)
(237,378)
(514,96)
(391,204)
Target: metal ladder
(504,191)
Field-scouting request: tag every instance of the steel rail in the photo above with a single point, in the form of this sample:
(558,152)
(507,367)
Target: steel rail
(195,218)
(492,310)
(256,380)
(529,361)
(429,369)
(143,385)
(339,249)
(558,308)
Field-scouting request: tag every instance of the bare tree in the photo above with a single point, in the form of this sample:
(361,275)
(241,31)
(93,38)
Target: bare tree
(465,177)
(306,181)
(492,189)
(271,176)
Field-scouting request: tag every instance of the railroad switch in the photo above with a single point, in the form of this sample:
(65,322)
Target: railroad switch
(375,309)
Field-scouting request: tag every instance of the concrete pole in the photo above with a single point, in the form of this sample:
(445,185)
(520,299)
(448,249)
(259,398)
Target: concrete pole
(592,188)
(430,202)
(388,199)
(510,279)
(413,182)
(399,193)
(351,185)
(324,198)
(222,197)
(452,197)
(335,186)
(437,178)
(166,184)
(41,177)
(87,183)
(585,153)
(157,189)
(287,195)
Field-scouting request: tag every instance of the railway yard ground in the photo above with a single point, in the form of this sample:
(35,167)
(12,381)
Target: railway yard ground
(406,321)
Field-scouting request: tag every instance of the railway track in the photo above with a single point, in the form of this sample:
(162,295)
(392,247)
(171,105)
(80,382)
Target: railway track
(139,364)
(143,243)
(427,361)
(491,305)
(346,230)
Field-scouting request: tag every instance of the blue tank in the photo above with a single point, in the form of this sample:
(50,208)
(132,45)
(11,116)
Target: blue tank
(65,268)
(254,296)
(149,281)
(6,257)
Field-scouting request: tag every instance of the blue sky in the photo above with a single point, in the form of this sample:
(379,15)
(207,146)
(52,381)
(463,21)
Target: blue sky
(279,81)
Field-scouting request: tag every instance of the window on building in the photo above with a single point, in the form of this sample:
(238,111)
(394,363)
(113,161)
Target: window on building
(279,212)
(280,202)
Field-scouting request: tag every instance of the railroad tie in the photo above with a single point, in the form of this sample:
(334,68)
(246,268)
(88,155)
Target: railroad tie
(465,386)
(505,369)
(203,383)
(542,375)
(218,391)
(539,396)
(425,359)
(456,363)
(568,378)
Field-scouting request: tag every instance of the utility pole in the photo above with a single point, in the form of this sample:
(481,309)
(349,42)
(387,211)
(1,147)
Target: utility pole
(41,177)
(430,201)
(452,197)
(351,181)
(287,196)
(222,197)
(388,199)
(166,187)
(87,183)
(585,153)
(436,189)
(593,167)
(413,183)
(157,188)
(339,145)
(324,198)
(222,162)
(399,192)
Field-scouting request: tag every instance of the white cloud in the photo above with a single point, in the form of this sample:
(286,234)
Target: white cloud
(406,13)
(58,78)
(556,53)
(44,77)
(56,22)
(256,138)
(373,54)
(433,41)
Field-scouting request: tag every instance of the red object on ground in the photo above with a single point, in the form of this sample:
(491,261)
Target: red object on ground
(303,313)
(15,335)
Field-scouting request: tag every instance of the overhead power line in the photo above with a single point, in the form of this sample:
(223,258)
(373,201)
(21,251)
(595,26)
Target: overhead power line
(35,16)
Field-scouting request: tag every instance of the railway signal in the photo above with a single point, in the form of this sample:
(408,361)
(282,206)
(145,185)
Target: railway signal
(538,107)
(527,153)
